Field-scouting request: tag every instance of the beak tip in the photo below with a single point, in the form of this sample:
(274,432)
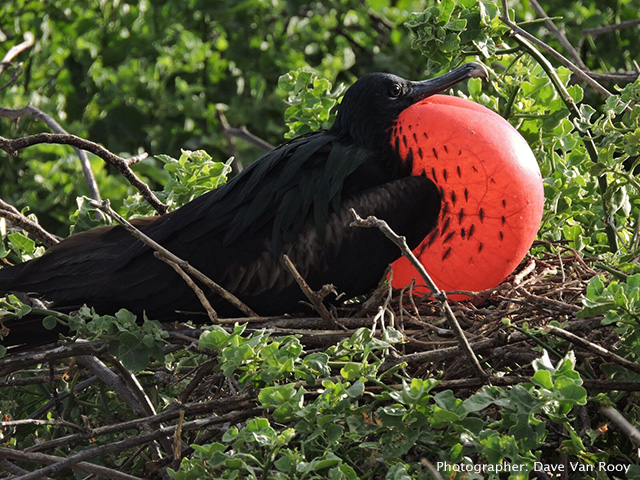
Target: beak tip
(477,70)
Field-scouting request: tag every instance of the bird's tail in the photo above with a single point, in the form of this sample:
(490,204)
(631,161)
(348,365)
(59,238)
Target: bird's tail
(21,332)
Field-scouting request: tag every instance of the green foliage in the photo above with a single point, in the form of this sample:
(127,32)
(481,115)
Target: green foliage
(448,32)
(311,101)
(337,432)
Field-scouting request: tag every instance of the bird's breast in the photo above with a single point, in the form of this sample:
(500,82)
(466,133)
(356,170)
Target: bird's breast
(490,186)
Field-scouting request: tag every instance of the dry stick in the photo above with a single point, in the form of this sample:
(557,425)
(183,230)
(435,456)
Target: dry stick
(614,77)
(29,39)
(558,33)
(622,423)
(127,387)
(103,472)
(236,165)
(24,359)
(314,297)
(223,405)
(38,114)
(11,213)
(592,347)
(586,136)
(557,55)
(11,146)
(443,354)
(244,134)
(211,313)
(13,469)
(610,28)
(213,286)
(63,395)
(438,294)
(73,460)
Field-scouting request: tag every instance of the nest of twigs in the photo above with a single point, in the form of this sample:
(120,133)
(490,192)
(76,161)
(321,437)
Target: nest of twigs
(497,324)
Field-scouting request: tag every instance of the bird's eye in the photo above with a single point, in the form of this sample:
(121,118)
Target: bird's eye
(395,90)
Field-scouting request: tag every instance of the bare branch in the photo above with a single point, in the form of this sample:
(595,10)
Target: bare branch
(122,164)
(236,165)
(29,39)
(314,297)
(73,460)
(610,28)
(622,423)
(592,347)
(558,33)
(211,313)
(553,52)
(43,458)
(614,77)
(36,231)
(213,286)
(438,294)
(48,120)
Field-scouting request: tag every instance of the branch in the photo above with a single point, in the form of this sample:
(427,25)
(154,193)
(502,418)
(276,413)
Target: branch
(236,166)
(36,231)
(553,52)
(29,40)
(211,313)
(314,297)
(558,33)
(438,294)
(622,423)
(592,347)
(11,146)
(89,453)
(610,28)
(524,40)
(33,457)
(38,114)
(213,286)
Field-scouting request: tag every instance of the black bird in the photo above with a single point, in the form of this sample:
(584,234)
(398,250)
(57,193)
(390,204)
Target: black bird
(294,200)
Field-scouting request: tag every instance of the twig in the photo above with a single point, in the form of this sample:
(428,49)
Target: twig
(36,231)
(614,77)
(22,360)
(553,52)
(558,33)
(128,394)
(219,406)
(610,28)
(75,459)
(574,111)
(52,459)
(497,340)
(439,295)
(14,469)
(244,134)
(622,423)
(29,39)
(48,120)
(211,313)
(592,347)
(236,166)
(11,146)
(215,288)
(314,297)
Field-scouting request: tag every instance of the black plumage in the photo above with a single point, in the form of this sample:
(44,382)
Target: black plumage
(294,200)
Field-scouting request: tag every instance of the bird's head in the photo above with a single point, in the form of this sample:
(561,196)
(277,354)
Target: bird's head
(372,104)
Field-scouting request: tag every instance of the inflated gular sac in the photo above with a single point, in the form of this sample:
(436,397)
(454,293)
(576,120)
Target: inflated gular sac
(490,186)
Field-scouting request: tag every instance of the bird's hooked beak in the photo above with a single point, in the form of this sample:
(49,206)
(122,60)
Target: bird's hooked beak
(426,88)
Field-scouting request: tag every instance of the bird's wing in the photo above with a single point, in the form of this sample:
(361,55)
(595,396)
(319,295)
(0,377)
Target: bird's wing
(278,191)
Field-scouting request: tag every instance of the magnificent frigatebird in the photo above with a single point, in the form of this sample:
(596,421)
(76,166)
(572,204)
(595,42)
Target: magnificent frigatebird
(294,200)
